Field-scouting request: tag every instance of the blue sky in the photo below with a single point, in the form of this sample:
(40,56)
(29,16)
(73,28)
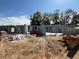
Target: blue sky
(22,7)
(16,8)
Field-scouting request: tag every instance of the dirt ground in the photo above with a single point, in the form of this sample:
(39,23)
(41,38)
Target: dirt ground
(76,55)
(49,47)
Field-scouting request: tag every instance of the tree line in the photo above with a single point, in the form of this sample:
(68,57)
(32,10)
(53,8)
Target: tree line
(68,17)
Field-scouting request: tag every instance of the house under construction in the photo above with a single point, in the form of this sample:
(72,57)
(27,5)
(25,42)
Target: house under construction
(69,29)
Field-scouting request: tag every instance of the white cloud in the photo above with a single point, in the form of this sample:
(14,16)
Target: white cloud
(16,20)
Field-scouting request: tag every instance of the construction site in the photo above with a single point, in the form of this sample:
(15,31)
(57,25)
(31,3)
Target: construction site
(40,41)
(33,47)
(39,29)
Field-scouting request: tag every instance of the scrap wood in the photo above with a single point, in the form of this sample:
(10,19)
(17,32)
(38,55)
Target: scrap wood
(72,41)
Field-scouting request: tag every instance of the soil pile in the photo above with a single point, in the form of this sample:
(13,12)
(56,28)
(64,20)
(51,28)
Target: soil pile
(33,48)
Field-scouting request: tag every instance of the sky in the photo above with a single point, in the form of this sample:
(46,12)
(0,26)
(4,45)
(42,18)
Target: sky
(16,9)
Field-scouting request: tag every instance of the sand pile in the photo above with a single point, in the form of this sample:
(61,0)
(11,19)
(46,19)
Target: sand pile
(33,48)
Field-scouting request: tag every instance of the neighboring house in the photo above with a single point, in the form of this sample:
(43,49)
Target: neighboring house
(12,29)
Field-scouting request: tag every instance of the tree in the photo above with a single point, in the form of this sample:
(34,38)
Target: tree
(61,18)
(56,16)
(36,18)
(46,20)
(75,19)
(68,12)
(70,16)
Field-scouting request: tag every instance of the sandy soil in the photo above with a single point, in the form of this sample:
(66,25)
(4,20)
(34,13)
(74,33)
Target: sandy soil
(36,48)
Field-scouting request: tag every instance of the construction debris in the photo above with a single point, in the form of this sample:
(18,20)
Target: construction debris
(17,37)
(72,41)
